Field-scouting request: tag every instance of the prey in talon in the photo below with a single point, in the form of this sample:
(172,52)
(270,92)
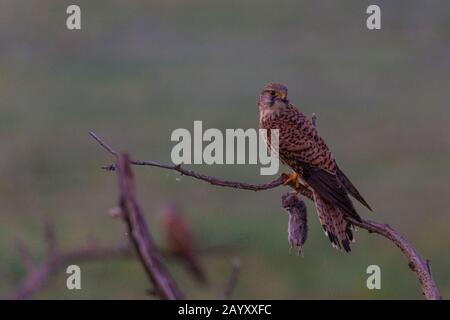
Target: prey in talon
(297,223)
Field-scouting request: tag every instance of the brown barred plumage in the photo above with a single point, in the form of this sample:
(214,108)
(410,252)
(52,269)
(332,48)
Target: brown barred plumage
(302,149)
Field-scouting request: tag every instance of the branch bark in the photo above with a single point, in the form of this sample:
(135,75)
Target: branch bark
(164,286)
(417,264)
(212,180)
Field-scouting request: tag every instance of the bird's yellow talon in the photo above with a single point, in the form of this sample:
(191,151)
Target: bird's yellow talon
(292,180)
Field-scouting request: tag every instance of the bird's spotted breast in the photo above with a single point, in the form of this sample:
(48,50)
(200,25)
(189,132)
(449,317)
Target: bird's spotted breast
(299,140)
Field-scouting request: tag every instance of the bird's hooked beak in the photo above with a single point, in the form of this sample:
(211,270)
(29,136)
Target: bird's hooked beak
(281,95)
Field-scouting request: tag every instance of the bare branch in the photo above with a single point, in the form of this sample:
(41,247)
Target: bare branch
(37,275)
(103,144)
(417,264)
(140,235)
(212,180)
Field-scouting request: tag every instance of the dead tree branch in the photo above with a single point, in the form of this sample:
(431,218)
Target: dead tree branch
(417,264)
(212,180)
(141,238)
(37,275)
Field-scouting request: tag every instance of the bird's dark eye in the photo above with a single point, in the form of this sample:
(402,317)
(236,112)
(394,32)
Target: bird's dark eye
(272,92)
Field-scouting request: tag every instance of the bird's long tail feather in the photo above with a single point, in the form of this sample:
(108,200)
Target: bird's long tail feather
(348,185)
(338,230)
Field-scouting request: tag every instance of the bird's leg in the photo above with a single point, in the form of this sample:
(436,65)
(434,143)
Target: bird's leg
(293,180)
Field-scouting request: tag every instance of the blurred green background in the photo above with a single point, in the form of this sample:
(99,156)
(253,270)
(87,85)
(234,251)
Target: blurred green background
(137,71)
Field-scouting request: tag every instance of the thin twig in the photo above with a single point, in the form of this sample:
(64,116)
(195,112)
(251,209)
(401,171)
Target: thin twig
(417,264)
(103,144)
(212,180)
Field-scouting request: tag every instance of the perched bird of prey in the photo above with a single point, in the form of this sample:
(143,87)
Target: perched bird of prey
(316,172)
(181,241)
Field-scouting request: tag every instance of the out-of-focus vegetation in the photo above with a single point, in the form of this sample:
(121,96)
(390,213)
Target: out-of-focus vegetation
(137,71)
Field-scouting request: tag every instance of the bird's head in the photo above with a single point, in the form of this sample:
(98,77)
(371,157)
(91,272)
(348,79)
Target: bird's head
(273,96)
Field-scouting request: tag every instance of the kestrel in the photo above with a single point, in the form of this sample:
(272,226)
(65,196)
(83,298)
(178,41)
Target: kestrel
(315,169)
